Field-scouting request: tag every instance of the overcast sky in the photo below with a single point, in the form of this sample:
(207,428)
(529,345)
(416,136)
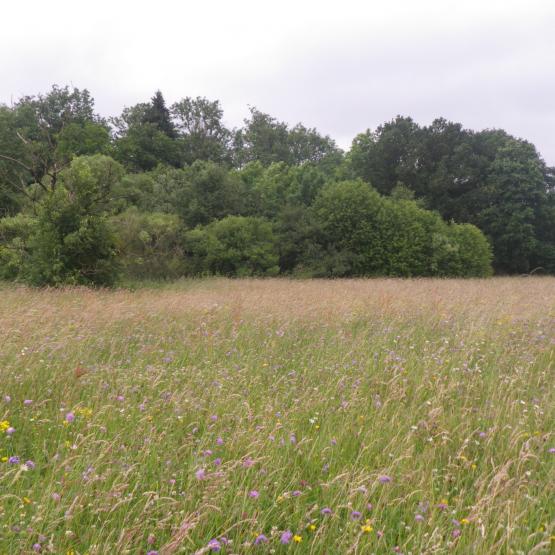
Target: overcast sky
(341,66)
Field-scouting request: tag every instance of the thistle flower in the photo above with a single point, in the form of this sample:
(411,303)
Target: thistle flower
(30,465)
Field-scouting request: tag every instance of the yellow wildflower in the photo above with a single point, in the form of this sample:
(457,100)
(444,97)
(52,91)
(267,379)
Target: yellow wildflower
(312,527)
(465,521)
(4,459)
(26,500)
(4,425)
(297,539)
(366,528)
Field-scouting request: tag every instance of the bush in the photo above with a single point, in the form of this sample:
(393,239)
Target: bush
(235,246)
(149,245)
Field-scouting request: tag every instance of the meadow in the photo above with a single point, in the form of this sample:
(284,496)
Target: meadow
(277,416)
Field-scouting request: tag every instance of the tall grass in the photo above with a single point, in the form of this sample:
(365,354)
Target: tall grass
(268,416)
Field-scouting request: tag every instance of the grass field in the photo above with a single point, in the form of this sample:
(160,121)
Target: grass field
(275,416)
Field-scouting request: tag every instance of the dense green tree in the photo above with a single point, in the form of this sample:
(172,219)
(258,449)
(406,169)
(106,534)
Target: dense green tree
(234,246)
(202,134)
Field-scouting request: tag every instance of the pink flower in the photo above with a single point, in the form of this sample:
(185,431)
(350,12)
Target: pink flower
(200,474)
(254,494)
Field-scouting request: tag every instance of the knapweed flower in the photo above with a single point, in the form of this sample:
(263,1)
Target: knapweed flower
(14,460)
(28,402)
(70,417)
(120,398)
(261,538)
(551,450)
(10,431)
(326,511)
(214,545)
(37,547)
(419,518)
(286,537)
(254,494)
(248,462)
(384,479)
(30,465)
(442,505)
(217,461)
(356,515)
(56,497)
(219,441)
(296,493)
(456,533)
(200,474)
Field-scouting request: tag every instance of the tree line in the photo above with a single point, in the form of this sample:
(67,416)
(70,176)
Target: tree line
(162,192)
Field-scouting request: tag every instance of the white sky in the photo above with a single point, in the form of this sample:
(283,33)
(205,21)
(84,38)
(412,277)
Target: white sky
(340,66)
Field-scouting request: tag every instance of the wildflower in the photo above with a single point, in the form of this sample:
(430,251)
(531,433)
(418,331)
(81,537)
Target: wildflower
(260,539)
(248,462)
(465,521)
(384,479)
(312,527)
(219,441)
(152,553)
(217,461)
(326,511)
(214,545)
(4,425)
(254,494)
(442,505)
(120,398)
(70,417)
(297,538)
(28,402)
(356,515)
(27,501)
(10,431)
(56,497)
(151,539)
(293,439)
(286,537)
(456,533)
(366,528)
(14,460)
(551,450)
(214,418)
(296,493)
(369,506)
(419,518)
(200,474)
(30,465)
(4,459)
(7,399)
(37,547)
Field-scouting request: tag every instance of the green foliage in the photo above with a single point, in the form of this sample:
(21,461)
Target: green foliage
(149,245)
(15,232)
(235,246)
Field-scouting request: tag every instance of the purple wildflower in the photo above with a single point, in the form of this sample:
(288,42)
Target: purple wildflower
(10,431)
(296,493)
(419,518)
(7,398)
(369,506)
(286,537)
(456,533)
(56,497)
(219,441)
(384,479)
(254,494)
(152,553)
(326,511)
(28,402)
(14,460)
(218,461)
(70,417)
(214,545)
(260,539)
(248,462)
(120,398)
(200,474)
(37,547)
(356,515)
(30,465)
(551,450)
